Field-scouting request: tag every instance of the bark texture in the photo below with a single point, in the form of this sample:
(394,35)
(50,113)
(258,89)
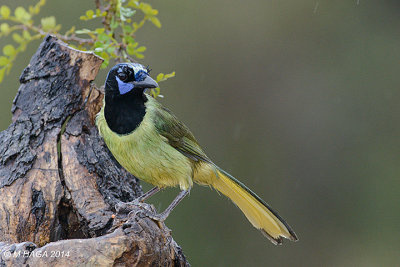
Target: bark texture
(58,181)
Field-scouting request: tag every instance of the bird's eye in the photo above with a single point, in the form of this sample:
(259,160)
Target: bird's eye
(122,76)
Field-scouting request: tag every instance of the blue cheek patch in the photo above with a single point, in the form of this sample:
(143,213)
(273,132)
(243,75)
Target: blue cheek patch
(124,87)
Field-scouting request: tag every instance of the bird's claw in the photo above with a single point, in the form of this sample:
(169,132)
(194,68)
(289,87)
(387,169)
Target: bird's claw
(157,217)
(126,207)
(136,208)
(160,217)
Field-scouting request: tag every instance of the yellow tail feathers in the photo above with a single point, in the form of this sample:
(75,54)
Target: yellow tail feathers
(256,210)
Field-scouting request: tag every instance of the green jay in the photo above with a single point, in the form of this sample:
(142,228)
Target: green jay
(152,144)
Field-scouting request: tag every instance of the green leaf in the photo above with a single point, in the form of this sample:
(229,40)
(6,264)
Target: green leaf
(146,8)
(106,58)
(98,44)
(4,61)
(21,14)
(89,14)
(110,49)
(160,76)
(114,24)
(9,50)
(105,55)
(5,12)
(4,28)
(17,38)
(83,31)
(103,37)
(130,49)
(139,56)
(26,35)
(141,49)
(34,10)
(134,4)
(155,21)
(99,30)
(170,75)
(129,39)
(126,12)
(155,92)
(104,65)
(127,29)
(48,23)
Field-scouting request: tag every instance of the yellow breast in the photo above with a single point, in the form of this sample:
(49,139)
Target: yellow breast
(146,154)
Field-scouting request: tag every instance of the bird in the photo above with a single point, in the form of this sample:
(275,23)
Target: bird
(151,143)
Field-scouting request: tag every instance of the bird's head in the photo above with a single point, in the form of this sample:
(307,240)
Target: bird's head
(126,77)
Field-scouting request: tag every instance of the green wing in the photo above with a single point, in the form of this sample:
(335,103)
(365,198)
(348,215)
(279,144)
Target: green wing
(178,135)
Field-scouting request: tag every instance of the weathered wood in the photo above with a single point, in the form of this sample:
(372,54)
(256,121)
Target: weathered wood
(58,181)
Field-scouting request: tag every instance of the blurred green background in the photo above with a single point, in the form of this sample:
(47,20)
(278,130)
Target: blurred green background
(298,99)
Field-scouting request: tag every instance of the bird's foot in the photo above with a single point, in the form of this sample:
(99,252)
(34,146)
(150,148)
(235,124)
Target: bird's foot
(157,217)
(161,217)
(127,207)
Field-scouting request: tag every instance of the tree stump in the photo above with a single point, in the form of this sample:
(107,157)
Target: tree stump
(58,181)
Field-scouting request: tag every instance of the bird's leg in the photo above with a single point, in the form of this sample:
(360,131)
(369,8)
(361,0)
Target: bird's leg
(149,194)
(163,215)
(127,206)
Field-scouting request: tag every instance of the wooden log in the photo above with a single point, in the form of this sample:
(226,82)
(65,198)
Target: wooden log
(59,184)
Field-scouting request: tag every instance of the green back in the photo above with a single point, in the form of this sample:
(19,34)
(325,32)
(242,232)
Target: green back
(178,135)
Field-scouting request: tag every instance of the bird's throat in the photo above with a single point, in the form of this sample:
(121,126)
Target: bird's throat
(124,113)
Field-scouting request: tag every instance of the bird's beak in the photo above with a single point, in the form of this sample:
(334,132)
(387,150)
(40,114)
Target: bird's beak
(148,82)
